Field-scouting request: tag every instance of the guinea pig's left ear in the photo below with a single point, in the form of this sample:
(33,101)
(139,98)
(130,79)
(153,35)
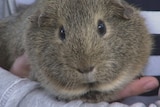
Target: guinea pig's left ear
(123,9)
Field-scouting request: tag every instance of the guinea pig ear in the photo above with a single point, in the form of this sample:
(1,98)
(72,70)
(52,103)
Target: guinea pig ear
(33,19)
(42,20)
(39,19)
(123,9)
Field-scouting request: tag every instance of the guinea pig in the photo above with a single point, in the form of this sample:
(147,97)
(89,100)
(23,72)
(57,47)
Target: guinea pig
(78,49)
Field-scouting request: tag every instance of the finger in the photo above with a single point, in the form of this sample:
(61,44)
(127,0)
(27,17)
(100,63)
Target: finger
(139,86)
(21,66)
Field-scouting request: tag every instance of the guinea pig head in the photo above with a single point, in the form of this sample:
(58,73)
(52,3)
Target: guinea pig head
(79,46)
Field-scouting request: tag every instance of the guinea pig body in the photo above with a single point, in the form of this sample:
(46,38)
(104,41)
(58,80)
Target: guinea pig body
(79,49)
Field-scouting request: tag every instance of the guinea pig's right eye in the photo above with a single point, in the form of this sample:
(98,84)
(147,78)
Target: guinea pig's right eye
(62,34)
(101,28)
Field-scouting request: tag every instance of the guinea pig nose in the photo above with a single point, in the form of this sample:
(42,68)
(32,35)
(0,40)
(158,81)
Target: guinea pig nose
(86,70)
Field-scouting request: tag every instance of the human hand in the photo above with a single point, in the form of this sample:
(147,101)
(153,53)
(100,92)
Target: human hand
(139,86)
(21,66)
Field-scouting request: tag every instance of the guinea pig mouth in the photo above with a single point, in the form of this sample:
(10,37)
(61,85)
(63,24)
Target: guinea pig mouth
(90,95)
(92,84)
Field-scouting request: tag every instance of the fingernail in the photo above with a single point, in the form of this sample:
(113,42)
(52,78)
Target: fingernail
(150,86)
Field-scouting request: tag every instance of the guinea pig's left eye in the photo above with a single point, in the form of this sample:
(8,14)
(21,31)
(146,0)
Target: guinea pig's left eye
(62,34)
(101,28)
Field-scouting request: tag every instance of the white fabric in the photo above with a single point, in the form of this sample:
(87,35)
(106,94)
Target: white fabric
(9,7)
(152,21)
(26,2)
(153,66)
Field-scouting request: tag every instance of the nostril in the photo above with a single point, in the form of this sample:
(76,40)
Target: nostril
(86,70)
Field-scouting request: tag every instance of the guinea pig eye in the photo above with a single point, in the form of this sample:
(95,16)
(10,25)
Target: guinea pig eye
(101,28)
(62,34)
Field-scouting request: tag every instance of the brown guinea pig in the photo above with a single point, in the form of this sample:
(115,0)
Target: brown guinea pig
(78,49)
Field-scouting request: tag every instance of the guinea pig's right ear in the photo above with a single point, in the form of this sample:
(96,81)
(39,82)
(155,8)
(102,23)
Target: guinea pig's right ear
(33,19)
(39,19)
(123,9)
